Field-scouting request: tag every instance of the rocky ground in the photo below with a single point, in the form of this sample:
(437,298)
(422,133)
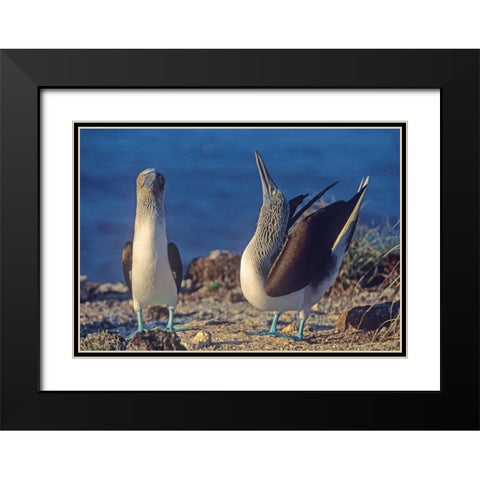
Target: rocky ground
(214,316)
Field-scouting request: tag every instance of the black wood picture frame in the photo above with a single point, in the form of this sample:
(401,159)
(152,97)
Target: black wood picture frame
(24,73)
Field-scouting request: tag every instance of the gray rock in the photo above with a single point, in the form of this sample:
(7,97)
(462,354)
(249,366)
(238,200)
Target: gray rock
(84,295)
(369,317)
(219,268)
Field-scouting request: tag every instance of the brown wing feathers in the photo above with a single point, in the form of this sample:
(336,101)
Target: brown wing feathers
(306,255)
(175,264)
(127,264)
(292,270)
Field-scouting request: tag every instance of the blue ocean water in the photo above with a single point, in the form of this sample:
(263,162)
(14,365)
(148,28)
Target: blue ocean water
(213,191)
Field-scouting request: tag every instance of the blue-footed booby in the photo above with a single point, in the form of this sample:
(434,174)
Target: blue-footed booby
(151,266)
(290,262)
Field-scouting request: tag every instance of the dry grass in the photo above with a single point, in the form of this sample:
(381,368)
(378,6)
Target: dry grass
(391,332)
(372,262)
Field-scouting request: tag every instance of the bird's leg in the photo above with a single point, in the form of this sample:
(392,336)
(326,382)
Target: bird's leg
(273,328)
(170,327)
(140,325)
(299,335)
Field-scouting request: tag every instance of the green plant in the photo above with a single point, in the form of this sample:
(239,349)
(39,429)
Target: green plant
(214,285)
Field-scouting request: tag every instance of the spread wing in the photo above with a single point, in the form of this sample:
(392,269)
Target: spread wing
(295,202)
(175,264)
(127,264)
(307,253)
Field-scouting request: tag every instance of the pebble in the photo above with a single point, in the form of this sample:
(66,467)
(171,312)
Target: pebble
(187,284)
(201,340)
(289,330)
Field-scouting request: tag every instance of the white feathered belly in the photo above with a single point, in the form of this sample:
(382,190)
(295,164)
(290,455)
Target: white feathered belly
(152,279)
(253,290)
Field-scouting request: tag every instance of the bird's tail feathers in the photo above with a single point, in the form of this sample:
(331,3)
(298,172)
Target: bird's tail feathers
(363,183)
(345,236)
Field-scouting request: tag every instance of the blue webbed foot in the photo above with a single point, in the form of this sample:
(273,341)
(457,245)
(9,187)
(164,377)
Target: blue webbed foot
(276,334)
(170,327)
(299,336)
(273,330)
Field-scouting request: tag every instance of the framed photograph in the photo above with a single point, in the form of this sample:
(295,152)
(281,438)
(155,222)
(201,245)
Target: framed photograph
(254,233)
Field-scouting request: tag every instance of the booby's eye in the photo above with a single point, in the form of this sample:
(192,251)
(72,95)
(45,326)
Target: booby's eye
(273,193)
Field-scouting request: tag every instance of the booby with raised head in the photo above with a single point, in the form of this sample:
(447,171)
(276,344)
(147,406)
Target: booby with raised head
(290,262)
(151,266)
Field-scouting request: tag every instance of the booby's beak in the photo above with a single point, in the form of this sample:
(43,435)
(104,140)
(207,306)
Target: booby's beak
(268,185)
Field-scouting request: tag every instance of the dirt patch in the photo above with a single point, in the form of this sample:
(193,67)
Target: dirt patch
(233,326)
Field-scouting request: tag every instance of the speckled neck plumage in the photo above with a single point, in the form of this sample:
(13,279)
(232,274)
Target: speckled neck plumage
(150,206)
(270,234)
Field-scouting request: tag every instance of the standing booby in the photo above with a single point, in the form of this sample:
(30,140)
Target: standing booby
(289,265)
(151,266)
